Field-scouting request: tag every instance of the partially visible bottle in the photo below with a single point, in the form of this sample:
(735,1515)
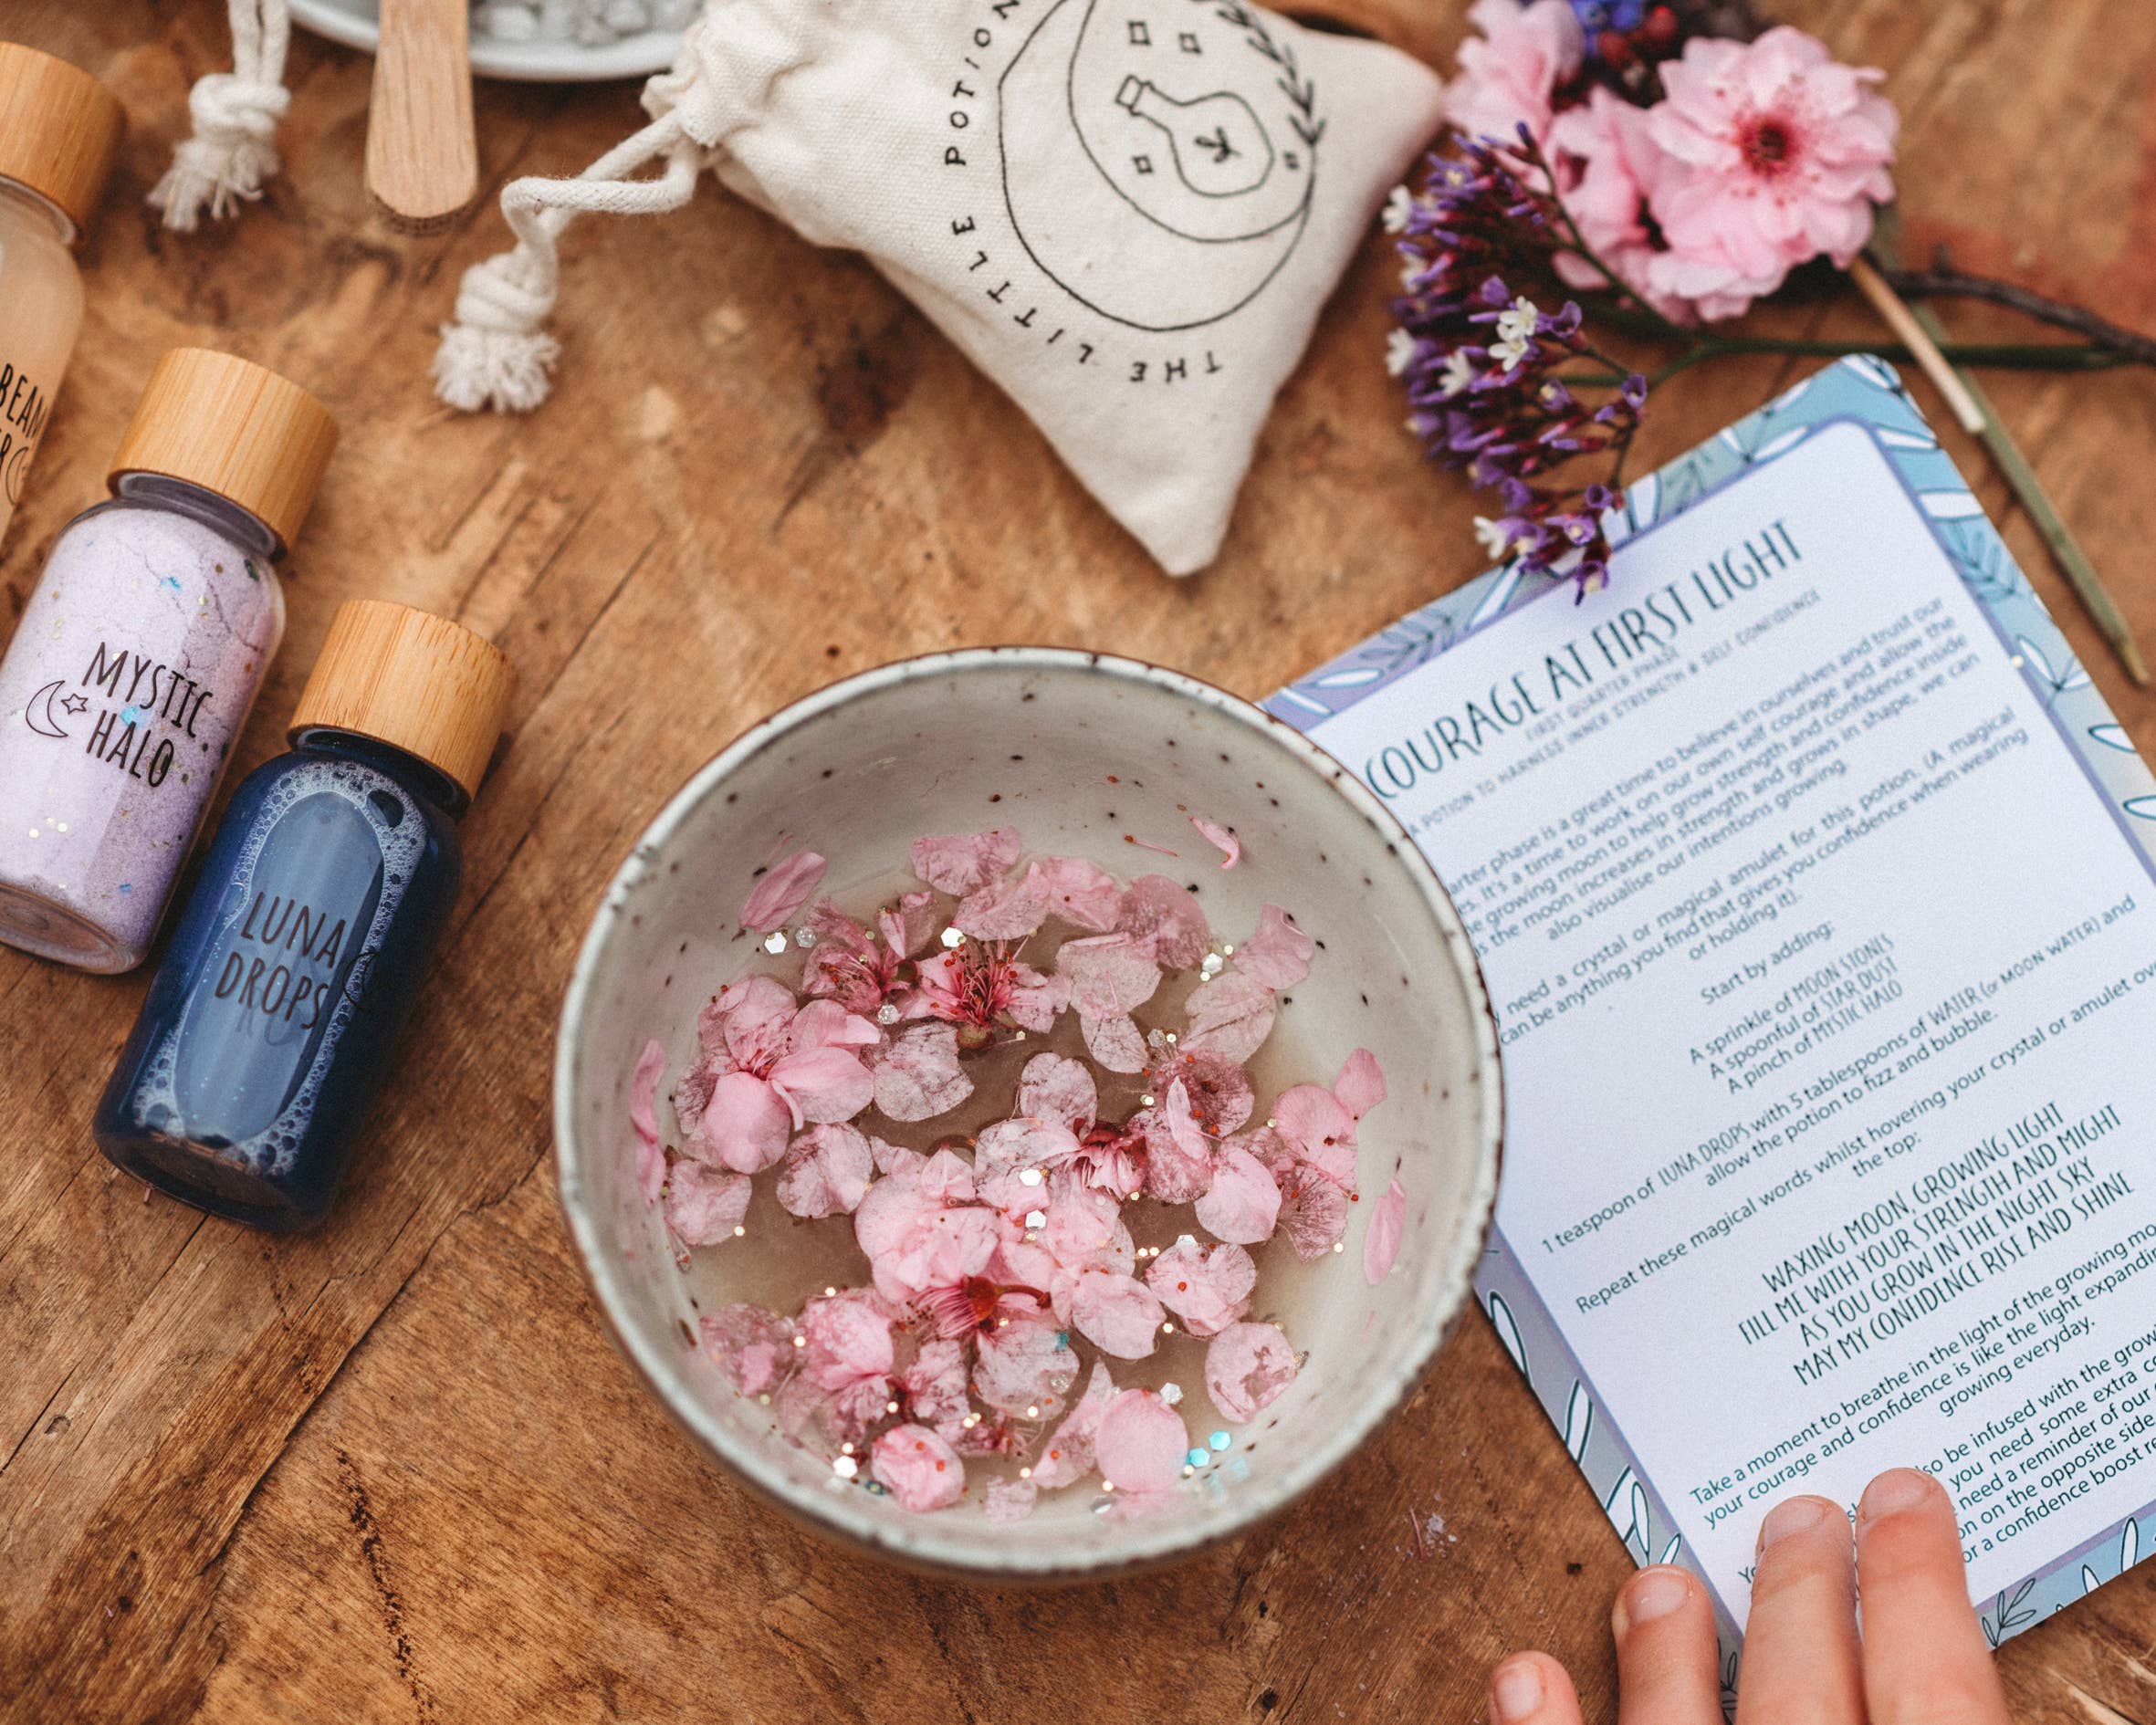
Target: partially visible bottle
(59,129)
(140,652)
(316,918)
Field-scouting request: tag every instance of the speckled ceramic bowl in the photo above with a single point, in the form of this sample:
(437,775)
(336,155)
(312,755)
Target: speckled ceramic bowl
(1077,751)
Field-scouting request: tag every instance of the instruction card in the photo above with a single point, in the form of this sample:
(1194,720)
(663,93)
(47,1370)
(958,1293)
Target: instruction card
(1811,880)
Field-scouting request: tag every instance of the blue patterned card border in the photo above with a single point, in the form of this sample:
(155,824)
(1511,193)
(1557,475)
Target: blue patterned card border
(1868,391)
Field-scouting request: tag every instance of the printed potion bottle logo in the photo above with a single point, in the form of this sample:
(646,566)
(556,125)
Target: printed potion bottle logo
(24,408)
(131,711)
(291,960)
(1158,156)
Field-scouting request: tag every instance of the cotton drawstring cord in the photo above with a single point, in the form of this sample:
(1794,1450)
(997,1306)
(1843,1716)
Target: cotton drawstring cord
(236,115)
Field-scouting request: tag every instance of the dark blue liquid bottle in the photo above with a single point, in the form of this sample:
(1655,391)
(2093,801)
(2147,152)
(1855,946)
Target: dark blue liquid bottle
(296,959)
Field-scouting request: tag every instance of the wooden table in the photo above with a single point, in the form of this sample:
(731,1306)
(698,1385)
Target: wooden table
(394,1470)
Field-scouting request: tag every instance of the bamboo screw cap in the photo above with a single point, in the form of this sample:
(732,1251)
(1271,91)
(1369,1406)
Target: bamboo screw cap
(234,428)
(59,129)
(414,681)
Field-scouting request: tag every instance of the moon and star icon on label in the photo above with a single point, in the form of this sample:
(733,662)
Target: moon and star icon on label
(1159,159)
(39,715)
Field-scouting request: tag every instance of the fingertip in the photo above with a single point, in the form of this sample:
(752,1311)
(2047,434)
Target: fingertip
(1897,1492)
(1659,1591)
(1532,1689)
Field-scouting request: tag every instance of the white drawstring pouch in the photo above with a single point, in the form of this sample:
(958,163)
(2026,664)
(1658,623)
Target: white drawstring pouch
(1126,212)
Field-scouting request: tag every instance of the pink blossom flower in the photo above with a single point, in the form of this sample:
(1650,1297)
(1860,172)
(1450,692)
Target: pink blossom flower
(1388,1225)
(1785,153)
(1024,1362)
(1311,1149)
(1208,1287)
(849,1356)
(1013,1158)
(644,1120)
(826,1171)
(860,969)
(921,1228)
(1232,1015)
(753,1348)
(1140,1446)
(784,889)
(780,1067)
(916,1466)
(981,986)
(1247,1366)
(1610,172)
(963,865)
(932,1387)
(1219,836)
(1509,73)
(918,1076)
(704,1205)
(1178,1159)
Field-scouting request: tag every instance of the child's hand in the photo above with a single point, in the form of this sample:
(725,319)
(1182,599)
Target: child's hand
(1922,1659)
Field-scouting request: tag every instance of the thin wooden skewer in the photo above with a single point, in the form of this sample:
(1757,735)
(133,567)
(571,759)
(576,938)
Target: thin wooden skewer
(1935,365)
(1922,332)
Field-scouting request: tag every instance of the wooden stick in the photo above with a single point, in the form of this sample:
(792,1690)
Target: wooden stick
(1934,365)
(423,157)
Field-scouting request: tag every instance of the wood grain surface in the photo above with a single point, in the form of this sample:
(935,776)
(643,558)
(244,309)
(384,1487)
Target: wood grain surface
(393,1470)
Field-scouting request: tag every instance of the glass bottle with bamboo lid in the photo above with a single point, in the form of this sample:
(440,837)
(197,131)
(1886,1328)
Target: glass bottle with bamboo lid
(59,129)
(140,652)
(319,905)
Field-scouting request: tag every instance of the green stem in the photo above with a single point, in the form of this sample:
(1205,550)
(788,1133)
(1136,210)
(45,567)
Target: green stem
(2033,355)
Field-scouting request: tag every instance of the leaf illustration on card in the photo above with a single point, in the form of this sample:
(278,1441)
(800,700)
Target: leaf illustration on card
(1296,697)
(1579,1421)
(1670,1551)
(1508,1332)
(2112,737)
(1896,438)
(1958,504)
(1353,677)
(2091,1580)
(1641,1518)
(1775,445)
(2140,808)
(1500,589)
(1874,371)
(2055,683)
(1642,500)
(2129,1545)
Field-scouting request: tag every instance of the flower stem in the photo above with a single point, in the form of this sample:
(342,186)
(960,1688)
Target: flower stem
(2032,356)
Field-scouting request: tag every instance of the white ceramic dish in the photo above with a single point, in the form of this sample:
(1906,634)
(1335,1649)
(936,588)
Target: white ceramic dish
(356,24)
(1028,736)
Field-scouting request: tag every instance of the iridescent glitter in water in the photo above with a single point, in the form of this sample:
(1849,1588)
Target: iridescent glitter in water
(140,652)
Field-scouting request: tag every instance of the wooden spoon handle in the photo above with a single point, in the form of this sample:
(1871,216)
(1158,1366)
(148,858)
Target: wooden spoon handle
(422,159)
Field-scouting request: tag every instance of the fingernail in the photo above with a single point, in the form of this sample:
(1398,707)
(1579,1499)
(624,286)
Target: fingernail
(1516,1689)
(1797,1515)
(1890,1493)
(1653,1594)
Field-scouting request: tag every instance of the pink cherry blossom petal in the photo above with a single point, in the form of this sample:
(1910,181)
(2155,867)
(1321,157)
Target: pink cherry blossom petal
(1008,1499)
(1079,891)
(705,1206)
(747,1123)
(1312,1118)
(1118,1314)
(1141,1444)
(789,884)
(1116,1043)
(909,925)
(1025,1363)
(1109,977)
(1177,1167)
(1004,910)
(1227,844)
(935,1384)
(1220,1089)
(1247,1366)
(1242,1204)
(644,1120)
(1057,1088)
(918,1076)
(1388,1225)
(1067,1456)
(1312,1212)
(825,1024)
(1361,1084)
(1164,921)
(826,1171)
(1279,954)
(848,1342)
(1230,1016)
(1083,1230)
(824,1085)
(917,1467)
(966,863)
(753,1016)
(1036,1002)
(753,1348)
(1208,1287)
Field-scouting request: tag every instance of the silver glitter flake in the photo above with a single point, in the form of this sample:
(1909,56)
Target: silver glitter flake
(774,942)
